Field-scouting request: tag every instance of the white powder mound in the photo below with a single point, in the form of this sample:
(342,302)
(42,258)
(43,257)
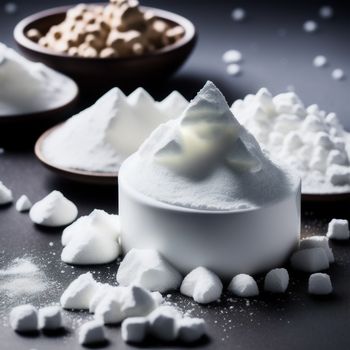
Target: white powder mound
(28,87)
(338,229)
(54,210)
(320,284)
(6,196)
(23,204)
(202,285)
(243,285)
(92,239)
(206,150)
(100,137)
(309,140)
(276,281)
(24,318)
(23,278)
(148,269)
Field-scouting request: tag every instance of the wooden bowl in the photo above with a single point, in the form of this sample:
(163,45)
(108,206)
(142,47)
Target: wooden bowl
(21,130)
(126,72)
(91,177)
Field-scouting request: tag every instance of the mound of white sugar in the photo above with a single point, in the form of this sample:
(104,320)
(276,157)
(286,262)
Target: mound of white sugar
(24,318)
(338,229)
(243,285)
(53,210)
(23,204)
(28,87)
(6,196)
(22,278)
(92,239)
(202,285)
(148,269)
(106,133)
(309,140)
(276,281)
(206,150)
(320,284)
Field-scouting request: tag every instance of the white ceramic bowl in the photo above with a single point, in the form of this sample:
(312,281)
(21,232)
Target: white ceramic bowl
(226,242)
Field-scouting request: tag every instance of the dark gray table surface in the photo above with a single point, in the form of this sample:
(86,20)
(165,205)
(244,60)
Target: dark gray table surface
(277,54)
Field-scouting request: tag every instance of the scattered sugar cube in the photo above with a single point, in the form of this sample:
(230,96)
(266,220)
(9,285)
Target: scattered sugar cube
(79,293)
(163,323)
(238,14)
(24,318)
(23,204)
(233,69)
(338,74)
(243,285)
(310,26)
(232,56)
(158,298)
(202,285)
(310,260)
(338,229)
(191,329)
(137,301)
(326,12)
(50,318)
(318,242)
(320,61)
(276,281)
(320,284)
(135,329)
(91,333)
(5,194)
(103,290)
(148,269)
(109,310)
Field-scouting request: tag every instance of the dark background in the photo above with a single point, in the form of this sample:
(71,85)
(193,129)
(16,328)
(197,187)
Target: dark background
(277,54)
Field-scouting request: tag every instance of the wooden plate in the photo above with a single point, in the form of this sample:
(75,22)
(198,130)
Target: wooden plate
(98,178)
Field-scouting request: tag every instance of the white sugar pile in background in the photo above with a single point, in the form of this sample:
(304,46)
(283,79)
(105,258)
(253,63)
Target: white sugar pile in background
(100,137)
(206,150)
(28,87)
(54,210)
(309,140)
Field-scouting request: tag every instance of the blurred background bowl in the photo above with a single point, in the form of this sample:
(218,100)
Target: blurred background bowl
(125,72)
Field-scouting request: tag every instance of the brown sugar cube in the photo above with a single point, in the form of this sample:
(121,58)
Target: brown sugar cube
(73,51)
(131,17)
(108,52)
(33,34)
(175,33)
(43,42)
(156,32)
(94,41)
(138,49)
(89,52)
